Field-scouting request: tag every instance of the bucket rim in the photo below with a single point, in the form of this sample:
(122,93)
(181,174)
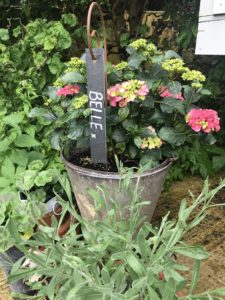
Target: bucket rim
(115,175)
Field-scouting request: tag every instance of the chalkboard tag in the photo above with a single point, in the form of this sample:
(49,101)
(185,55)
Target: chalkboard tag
(97,99)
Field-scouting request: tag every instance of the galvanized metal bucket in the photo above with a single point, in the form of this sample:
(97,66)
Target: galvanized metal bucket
(82,179)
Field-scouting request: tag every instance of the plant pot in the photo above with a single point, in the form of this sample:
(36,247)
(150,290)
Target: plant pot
(47,220)
(82,179)
(7,259)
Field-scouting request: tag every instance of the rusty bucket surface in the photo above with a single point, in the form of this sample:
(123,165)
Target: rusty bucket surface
(82,179)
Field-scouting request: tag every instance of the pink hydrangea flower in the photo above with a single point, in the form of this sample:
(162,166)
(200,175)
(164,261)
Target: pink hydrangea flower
(143,91)
(206,120)
(127,91)
(164,93)
(69,89)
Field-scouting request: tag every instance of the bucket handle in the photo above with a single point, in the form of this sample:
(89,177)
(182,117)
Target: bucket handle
(94,33)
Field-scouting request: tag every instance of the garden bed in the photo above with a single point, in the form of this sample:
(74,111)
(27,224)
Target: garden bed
(210,234)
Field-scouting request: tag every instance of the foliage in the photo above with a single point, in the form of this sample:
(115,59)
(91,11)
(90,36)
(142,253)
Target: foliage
(151,96)
(109,261)
(23,213)
(196,159)
(30,58)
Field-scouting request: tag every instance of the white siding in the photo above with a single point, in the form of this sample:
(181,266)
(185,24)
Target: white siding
(211,29)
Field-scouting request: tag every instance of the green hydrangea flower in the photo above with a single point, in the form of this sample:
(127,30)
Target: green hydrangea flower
(80,102)
(76,65)
(140,43)
(151,143)
(196,85)
(173,65)
(193,75)
(58,83)
(151,49)
(121,66)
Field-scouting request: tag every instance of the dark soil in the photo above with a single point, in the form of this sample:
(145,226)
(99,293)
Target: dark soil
(83,159)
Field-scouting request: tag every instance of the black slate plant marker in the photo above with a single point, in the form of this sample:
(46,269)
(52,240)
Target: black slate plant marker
(96,85)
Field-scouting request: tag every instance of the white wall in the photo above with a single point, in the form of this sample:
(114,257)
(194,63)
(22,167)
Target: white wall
(211,29)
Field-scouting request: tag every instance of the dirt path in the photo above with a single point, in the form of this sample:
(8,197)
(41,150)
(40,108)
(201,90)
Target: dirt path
(4,290)
(210,233)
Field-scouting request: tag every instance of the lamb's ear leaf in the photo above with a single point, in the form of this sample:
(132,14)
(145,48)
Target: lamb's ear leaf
(195,274)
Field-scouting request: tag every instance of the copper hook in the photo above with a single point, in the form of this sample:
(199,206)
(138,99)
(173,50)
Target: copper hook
(94,33)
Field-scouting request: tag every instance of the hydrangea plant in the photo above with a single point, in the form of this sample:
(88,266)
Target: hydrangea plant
(151,108)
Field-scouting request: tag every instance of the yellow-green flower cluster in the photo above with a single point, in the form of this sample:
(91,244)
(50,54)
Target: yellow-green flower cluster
(173,65)
(121,66)
(138,44)
(196,85)
(151,49)
(193,75)
(87,112)
(76,65)
(58,83)
(151,143)
(80,102)
(48,102)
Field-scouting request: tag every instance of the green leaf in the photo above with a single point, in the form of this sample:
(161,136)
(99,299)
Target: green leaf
(73,77)
(119,135)
(54,64)
(55,139)
(39,59)
(38,112)
(49,43)
(135,60)
(172,136)
(218,162)
(195,252)
(149,102)
(219,292)
(4,34)
(207,139)
(195,275)
(205,92)
(169,290)
(123,113)
(8,169)
(130,125)
(4,182)
(25,180)
(36,165)
(170,105)
(14,119)
(76,133)
(135,264)
(174,87)
(171,54)
(124,38)
(25,140)
(152,294)
(43,178)
(4,145)
(138,141)
(188,93)
(133,151)
(69,19)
